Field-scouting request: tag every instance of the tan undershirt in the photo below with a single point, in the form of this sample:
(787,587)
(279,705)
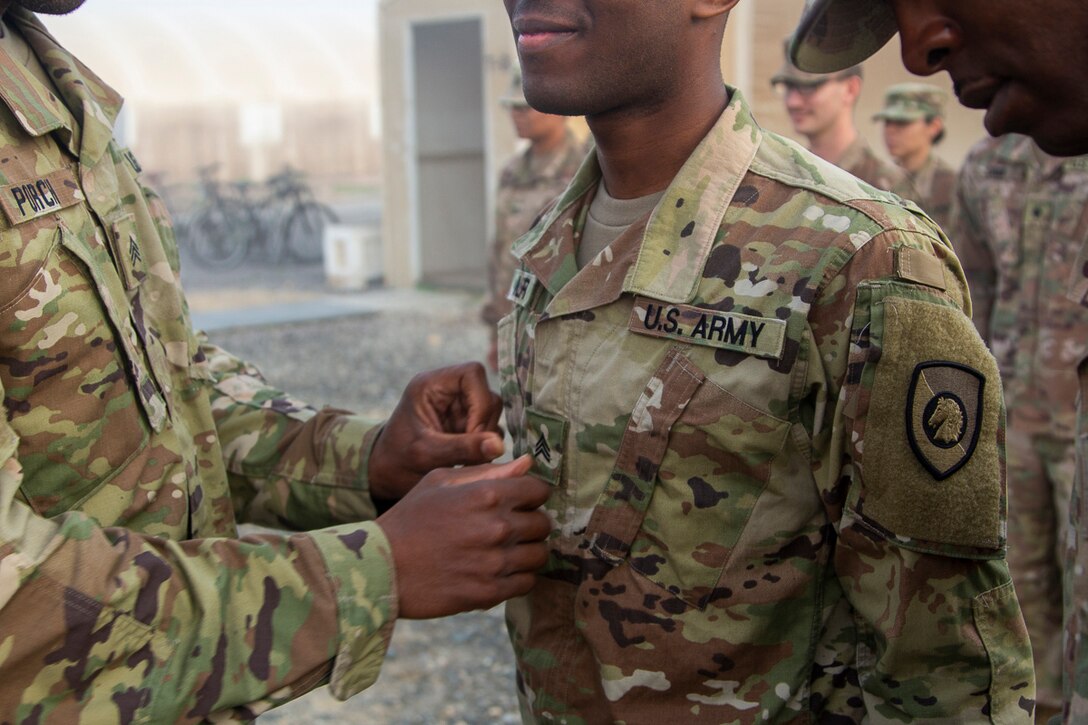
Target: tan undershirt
(608,218)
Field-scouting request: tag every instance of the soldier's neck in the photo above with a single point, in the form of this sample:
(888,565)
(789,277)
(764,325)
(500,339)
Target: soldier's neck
(831,144)
(913,162)
(640,151)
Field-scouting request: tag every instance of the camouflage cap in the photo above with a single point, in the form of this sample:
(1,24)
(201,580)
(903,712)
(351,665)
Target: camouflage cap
(515,96)
(836,34)
(912,101)
(790,73)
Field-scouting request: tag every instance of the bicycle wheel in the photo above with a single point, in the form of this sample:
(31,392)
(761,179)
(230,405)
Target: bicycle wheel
(304,228)
(221,235)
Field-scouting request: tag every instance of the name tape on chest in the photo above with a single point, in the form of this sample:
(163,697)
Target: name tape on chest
(27,200)
(759,336)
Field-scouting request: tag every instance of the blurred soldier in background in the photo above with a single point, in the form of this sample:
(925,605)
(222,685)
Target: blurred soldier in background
(821,108)
(913,117)
(1025,64)
(1017,236)
(130,448)
(529,181)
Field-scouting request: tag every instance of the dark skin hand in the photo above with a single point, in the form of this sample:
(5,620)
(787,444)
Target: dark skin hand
(467,538)
(445,417)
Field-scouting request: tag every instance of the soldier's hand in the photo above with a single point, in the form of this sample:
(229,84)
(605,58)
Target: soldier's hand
(446,417)
(467,538)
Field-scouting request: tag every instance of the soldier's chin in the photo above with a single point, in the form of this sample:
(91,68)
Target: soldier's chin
(1069,138)
(554,106)
(554,100)
(1058,129)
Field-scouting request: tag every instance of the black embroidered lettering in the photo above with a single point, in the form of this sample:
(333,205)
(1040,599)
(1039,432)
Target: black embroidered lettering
(735,335)
(756,329)
(673,325)
(700,328)
(717,327)
(35,200)
(43,191)
(653,317)
(20,198)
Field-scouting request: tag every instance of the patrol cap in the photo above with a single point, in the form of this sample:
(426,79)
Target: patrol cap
(836,34)
(911,102)
(790,73)
(515,96)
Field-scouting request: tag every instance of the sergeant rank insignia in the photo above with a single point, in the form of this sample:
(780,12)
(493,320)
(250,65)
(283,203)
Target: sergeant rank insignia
(944,410)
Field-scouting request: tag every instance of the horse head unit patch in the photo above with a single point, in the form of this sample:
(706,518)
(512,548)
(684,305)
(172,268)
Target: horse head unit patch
(944,408)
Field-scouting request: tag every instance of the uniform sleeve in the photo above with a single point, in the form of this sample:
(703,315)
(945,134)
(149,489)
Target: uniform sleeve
(105,625)
(290,466)
(501,264)
(911,468)
(976,256)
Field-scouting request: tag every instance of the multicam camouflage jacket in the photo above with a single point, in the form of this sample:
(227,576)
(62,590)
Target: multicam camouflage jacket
(528,184)
(1018,210)
(859,160)
(1075,643)
(932,187)
(129,447)
(776,446)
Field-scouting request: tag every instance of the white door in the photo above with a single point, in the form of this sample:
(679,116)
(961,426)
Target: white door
(451,185)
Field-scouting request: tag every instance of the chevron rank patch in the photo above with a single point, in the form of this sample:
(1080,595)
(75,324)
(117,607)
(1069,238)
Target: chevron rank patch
(545,437)
(944,406)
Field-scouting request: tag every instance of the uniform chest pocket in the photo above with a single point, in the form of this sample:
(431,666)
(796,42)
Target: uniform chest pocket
(65,376)
(692,463)
(515,335)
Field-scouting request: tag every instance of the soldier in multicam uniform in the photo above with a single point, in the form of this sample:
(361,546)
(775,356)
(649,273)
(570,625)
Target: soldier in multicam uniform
(1024,63)
(1017,211)
(821,108)
(913,117)
(775,439)
(529,182)
(129,447)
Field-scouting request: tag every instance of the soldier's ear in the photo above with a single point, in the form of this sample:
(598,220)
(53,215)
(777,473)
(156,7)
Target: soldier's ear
(707,9)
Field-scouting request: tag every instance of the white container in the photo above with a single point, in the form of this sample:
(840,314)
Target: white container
(353,256)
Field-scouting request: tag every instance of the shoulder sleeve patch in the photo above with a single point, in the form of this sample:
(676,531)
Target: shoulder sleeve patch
(929,435)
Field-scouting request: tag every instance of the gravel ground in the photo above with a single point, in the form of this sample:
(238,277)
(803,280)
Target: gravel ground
(448,671)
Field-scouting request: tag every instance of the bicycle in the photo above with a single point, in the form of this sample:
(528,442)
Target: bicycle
(287,221)
(223,228)
(302,219)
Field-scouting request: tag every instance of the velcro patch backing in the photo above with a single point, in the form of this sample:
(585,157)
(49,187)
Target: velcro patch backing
(932,464)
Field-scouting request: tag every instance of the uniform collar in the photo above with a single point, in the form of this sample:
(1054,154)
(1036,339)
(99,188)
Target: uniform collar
(82,118)
(680,232)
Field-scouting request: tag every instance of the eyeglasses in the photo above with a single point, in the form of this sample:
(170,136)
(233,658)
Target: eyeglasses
(805,90)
